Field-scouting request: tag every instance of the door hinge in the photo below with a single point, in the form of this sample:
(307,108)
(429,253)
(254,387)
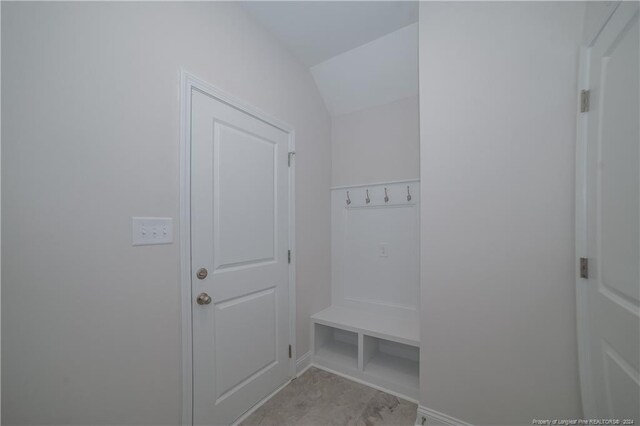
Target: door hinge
(289,256)
(584,267)
(291,154)
(584,100)
(290,351)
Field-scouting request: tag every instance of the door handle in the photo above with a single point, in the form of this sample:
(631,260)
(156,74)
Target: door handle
(203,299)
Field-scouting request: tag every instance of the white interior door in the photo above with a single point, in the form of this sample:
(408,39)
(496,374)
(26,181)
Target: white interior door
(613,222)
(239,236)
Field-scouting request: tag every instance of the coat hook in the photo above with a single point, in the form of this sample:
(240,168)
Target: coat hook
(386,197)
(408,194)
(348,199)
(367,200)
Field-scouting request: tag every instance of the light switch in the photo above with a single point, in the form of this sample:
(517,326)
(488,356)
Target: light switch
(152,230)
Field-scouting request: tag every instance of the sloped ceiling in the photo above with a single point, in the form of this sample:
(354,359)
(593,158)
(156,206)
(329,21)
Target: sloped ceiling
(319,30)
(361,54)
(376,73)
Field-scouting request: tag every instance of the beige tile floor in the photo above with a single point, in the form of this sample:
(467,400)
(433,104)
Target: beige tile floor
(319,398)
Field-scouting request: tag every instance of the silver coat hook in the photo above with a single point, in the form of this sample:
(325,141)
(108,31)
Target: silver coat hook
(386,197)
(367,200)
(348,199)
(408,194)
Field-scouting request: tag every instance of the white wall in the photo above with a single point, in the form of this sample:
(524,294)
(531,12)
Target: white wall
(90,324)
(361,277)
(498,103)
(376,144)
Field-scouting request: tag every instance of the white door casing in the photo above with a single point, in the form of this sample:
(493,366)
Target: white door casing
(608,216)
(239,230)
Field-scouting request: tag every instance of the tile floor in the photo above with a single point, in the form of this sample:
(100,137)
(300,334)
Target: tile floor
(319,398)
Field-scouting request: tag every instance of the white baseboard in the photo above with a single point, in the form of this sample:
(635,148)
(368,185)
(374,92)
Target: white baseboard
(258,405)
(303,363)
(425,416)
(428,417)
(364,382)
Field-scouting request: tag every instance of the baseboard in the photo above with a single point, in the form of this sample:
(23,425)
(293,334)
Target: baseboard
(364,382)
(425,416)
(428,417)
(303,363)
(258,405)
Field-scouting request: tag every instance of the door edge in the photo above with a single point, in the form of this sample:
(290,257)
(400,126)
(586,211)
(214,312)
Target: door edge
(581,251)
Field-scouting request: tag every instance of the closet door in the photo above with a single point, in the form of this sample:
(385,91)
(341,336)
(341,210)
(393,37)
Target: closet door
(239,235)
(611,382)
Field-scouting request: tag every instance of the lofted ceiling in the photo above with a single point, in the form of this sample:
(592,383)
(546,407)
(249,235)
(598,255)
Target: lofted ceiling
(379,72)
(319,30)
(360,53)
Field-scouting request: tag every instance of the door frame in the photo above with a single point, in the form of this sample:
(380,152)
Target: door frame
(188,82)
(587,390)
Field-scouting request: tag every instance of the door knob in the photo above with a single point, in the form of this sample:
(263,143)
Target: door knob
(203,299)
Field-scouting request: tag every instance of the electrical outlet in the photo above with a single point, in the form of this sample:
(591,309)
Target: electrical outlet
(152,230)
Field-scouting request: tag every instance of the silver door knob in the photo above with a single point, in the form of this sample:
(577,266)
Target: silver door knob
(203,299)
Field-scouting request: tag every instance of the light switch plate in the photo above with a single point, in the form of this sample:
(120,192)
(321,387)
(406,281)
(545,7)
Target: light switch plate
(152,230)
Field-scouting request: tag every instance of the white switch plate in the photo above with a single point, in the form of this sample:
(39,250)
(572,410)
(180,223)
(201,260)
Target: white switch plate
(152,230)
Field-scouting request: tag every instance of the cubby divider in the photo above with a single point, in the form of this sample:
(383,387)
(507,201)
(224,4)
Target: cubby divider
(385,361)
